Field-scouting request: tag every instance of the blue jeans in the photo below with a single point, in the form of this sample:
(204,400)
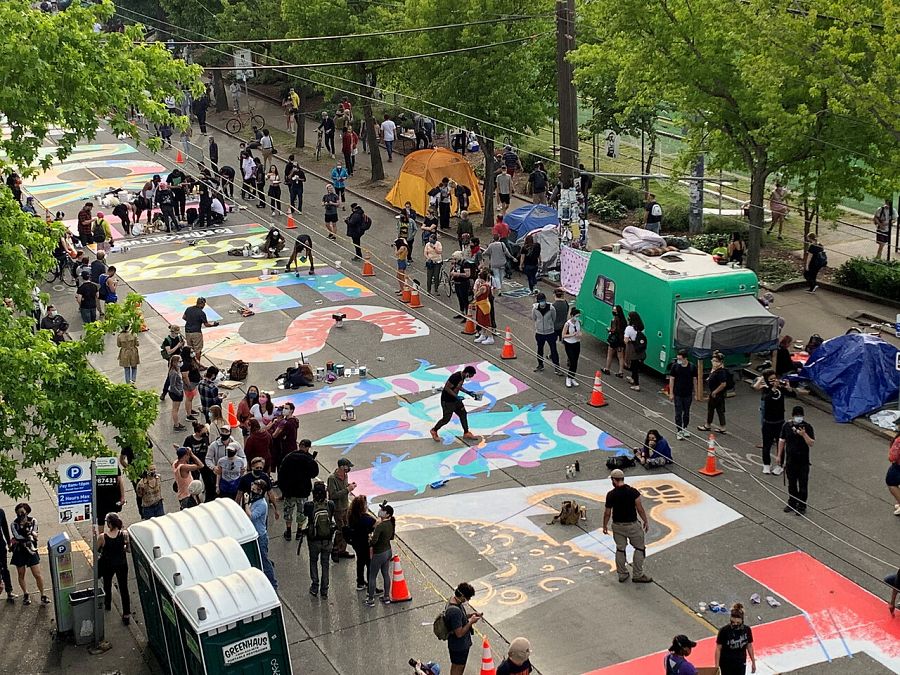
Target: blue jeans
(531,274)
(268,568)
(381,562)
(390,148)
(497,277)
(154,511)
(88,315)
(130,374)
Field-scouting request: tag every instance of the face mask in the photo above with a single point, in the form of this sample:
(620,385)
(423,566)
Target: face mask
(798,419)
(382,513)
(542,305)
(680,361)
(252,394)
(257,472)
(21,514)
(255,496)
(232,453)
(225,439)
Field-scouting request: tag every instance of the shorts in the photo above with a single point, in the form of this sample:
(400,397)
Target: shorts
(178,398)
(187,503)
(292,504)
(194,341)
(459,657)
(22,557)
(504,199)
(882,237)
(893,476)
(189,394)
(402,265)
(330,217)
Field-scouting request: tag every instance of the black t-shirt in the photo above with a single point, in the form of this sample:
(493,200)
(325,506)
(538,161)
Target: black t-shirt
(194,318)
(454,380)
(98,267)
(248,478)
(622,502)
(227,171)
(510,668)
(455,617)
(683,379)
(717,378)
(88,292)
(533,256)
(796,449)
(198,446)
(773,405)
(734,641)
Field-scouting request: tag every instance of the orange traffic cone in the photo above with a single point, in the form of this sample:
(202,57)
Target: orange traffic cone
(399,589)
(415,299)
(179,159)
(406,295)
(232,417)
(469,328)
(508,352)
(487,659)
(598,400)
(291,225)
(368,270)
(711,469)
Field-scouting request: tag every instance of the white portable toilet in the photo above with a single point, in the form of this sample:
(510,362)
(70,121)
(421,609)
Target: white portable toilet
(233,625)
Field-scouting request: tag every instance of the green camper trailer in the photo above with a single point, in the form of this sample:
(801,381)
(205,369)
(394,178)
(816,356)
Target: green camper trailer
(686,300)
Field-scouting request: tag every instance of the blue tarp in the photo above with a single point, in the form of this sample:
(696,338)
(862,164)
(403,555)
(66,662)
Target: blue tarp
(530,217)
(857,371)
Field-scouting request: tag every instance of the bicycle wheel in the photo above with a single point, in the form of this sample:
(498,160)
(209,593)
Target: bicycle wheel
(52,275)
(257,121)
(70,274)
(234,126)
(445,282)
(318,150)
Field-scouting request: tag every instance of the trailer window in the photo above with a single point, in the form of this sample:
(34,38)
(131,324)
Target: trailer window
(605,290)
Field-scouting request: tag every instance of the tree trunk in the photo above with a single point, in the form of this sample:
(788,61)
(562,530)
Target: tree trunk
(219,91)
(648,167)
(487,148)
(758,175)
(367,93)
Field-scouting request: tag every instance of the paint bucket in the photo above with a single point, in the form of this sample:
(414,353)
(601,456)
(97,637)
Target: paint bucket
(617,248)
(339,369)
(337,264)
(349,414)
(478,395)
(320,374)
(363,371)
(329,366)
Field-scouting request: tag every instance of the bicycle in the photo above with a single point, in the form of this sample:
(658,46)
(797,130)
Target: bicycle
(241,118)
(66,270)
(319,137)
(444,280)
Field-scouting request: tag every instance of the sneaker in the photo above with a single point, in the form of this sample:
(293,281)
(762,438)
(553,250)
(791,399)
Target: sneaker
(897,510)
(767,468)
(575,383)
(635,388)
(569,382)
(685,434)
(45,600)
(11,598)
(680,435)
(287,535)
(469,436)
(370,602)
(488,341)
(539,369)
(643,579)
(314,592)
(385,601)
(361,587)
(324,594)
(480,338)
(778,470)
(26,600)
(623,578)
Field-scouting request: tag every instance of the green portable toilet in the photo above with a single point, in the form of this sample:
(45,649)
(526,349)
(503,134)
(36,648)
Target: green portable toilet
(179,531)
(182,569)
(233,625)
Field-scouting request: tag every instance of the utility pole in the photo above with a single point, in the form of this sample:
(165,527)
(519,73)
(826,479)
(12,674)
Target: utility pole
(565,91)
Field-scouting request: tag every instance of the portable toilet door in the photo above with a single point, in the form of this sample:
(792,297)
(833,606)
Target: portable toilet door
(179,531)
(182,569)
(233,625)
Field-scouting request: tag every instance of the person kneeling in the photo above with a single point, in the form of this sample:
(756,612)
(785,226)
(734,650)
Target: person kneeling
(655,452)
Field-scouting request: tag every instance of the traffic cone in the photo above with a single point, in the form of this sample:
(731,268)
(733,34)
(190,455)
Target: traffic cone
(291,225)
(598,400)
(179,159)
(232,417)
(399,589)
(469,328)
(415,300)
(711,469)
(487,659)
(368,270)
(406,295)
(508,352)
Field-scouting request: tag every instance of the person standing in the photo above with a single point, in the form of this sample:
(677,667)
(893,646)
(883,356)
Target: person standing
(778,207)
(358,224)
(327,126)
(213,152)
(274,190)
(248,170)
(771,407)
(675,661)
(517,658)
(257,509)
(5,545)
(23,541)
(85,219)
(654,214)
(185,463)
(361,524)
(561,305)
(481,298)
(635,348)
(624,504)
(571,339)
(208,390)
(734,643)
(444,199)
(388,134)
(175,387)
(451,403)
(149,494)
(892,581)
(380,554)
(235,90)
(339,183)
(347,149)
(319,515)
(463,195)
(497,256)
(797,437)
(883,219)
(434,260)
(615,341)
(682,374)
(330,202)
(86,296)
(892,479)
(194,320)
(401,253)
(267,146)
(537,183)
(530,261)
(129,355)
(814,260)
(717,383)
(339,489)
(298,469)
(460,624)
(585,181)
(112,546)
(295,177)
(544,316)
(505,189)
(463,227)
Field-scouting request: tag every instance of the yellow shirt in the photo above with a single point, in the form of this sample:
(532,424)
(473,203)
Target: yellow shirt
(295,100)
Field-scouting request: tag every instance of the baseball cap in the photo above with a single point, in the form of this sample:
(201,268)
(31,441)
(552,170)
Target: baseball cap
(225,430)
(617,473)
(181,452)
(682,641)
(519,650)
(343,461)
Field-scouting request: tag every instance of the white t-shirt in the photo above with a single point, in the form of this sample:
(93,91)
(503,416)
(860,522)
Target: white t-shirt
(573,326)
(631,332)
(217,207)
(247,167)
(388,130)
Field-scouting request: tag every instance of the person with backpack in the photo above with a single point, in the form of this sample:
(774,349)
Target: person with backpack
(380,554)
(654,214)
(682,374)
(358,223)
(544,316)
(635,348)
(102,233)
(813,261)
(455,625)
(319,514)
(717,383)
(675,661)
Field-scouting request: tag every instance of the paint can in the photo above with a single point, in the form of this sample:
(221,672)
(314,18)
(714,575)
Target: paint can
(329,366)
(339,369)
(478,395)
(616,248)
(363,371)
(320,374)
(349,414)
(337,264)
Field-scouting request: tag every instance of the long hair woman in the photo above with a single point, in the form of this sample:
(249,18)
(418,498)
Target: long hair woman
(176,390)
(361,524)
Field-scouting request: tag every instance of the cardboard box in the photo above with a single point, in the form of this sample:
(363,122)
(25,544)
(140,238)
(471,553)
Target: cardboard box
(711,670)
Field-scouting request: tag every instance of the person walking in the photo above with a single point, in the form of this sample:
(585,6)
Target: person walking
(86,296)
(682,374)
(653,213)
(530,261)
(361,524)
(339,183)
(561,306)
(452,404)
(517,658)
(734,643)
(330,202)
(23,540)
(460,277)
(347,149)
(717,383)
(814,260)
(339,489)
(778,207)
(624,504)
(434,260)
(615,341)
(129,356)
(213,152)
(5,546)
(675,661)
(497,256)
(112,547)
(893,473)
(544,316)
(149,494)
(797,437)
(388,131)
(537,184)
(571,339)
(883,219)
(295,477)
(175,387)
(380,554)
(460,625)
(358,223)
(635,348)
(444,199)
(274,190)
(267,146)
(319,515)
(505,189)
(296,179)
(771,406)
(257,509)
(483,307)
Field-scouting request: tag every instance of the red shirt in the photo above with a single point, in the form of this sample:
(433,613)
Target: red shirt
(347,143)
(501,229)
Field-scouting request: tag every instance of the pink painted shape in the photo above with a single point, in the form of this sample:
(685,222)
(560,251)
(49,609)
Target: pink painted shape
(365,485)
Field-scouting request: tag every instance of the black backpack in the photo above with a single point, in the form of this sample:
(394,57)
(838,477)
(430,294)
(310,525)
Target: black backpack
(367,223)
(640,345)
(98,232)
(238,370)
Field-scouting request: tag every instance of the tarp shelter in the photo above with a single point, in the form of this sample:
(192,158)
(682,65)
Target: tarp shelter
(542,223)
(424,169)
(731,325)
(857,371)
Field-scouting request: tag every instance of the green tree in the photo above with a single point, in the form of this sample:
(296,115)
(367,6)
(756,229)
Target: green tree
(740,77)
(488,91)
(56,72)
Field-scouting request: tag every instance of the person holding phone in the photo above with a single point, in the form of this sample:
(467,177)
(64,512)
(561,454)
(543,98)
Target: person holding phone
(797,437)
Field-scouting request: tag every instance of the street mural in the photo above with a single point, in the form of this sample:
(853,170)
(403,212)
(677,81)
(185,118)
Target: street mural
(535,561)
(838,619)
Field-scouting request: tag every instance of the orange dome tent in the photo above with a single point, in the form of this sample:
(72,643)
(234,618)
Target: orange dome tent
(424,169)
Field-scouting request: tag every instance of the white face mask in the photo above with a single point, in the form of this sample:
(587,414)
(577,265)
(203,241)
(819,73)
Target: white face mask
(798,419)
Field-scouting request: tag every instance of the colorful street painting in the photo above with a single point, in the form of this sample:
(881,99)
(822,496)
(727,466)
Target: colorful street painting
(535,560)
(262,295)
(837,619)
(488,378)
(308,333)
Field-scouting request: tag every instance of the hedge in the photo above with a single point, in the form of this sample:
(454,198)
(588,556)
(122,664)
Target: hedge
(629,197)
(878,277)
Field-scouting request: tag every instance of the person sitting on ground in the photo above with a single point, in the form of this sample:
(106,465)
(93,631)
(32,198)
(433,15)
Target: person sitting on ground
(655,452)
(720,252)
(274,243)
(784,363)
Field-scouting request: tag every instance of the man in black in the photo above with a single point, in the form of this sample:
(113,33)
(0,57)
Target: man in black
(459,622)
(357,224)
(623,503)
(226,180)
(295,476)
(327,127)
(176,181)
(772,404)
(214,155)
(86,295)
(585,179)
(682,374)
(319,516)
(98,267)
(797,437)
(538,181)
(451,403)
